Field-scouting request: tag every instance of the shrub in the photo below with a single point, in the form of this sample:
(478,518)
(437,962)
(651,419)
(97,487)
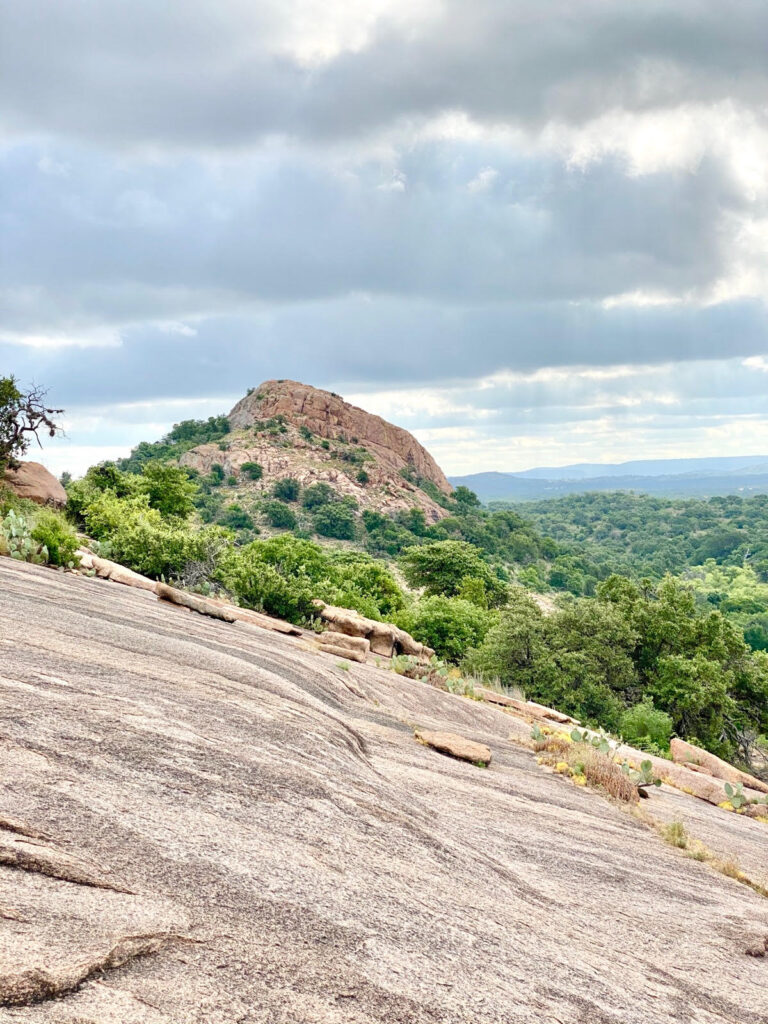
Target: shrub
(217,474)
(449,625)
(277,576)
(146,544)
(279,515)
(362,477)
(236,518)
(169,489)
(52,531)
(644,722)
(335,519)
(325,445)
(305,432)
(252,470)
(317,494)
(287,489)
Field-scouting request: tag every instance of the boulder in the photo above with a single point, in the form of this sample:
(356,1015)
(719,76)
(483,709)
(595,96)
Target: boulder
(495,698)
(385,638)
(455,746)
(108,570)
(33,481)
(194,602)
(359,644)
(688,754)
(342,652)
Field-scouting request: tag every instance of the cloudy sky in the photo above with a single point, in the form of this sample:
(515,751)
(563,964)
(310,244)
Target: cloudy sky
(532,231)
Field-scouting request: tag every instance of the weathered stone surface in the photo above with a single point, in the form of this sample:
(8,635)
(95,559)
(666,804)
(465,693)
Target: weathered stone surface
(341,652)
(331,869)
(108,570)
(556,716)
(33,481)
(496,698)
(538,711)
(63,933)
(688,754)
(329,416)
(385,638)
(194,602)
(350,643)
(454,745)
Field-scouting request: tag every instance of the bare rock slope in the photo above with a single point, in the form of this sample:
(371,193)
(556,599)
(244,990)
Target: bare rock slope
(318,437)
(226,826)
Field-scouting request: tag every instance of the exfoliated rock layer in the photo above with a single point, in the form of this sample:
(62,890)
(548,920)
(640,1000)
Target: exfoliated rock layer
(258,836)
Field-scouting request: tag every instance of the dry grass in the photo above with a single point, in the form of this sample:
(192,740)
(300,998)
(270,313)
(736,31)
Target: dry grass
(587,765)
(674,833)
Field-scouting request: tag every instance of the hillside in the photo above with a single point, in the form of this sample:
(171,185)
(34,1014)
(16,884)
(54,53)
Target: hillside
(204,823)
(292,430)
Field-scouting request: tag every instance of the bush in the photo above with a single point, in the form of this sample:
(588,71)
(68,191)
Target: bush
(55,533)
(278,576)
(236,518)
(317,494)
(644,722)
(450,625)
(169,489)
(335,519)
(362,477)
(146,544)
(252,470)
(279,515)
(287,489)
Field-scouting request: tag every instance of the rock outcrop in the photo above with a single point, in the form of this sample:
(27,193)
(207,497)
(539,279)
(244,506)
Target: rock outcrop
(329,416)
(317,437)
(384,638)
(33,481)
(694,757)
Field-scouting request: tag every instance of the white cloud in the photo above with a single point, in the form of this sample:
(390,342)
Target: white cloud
(483,180)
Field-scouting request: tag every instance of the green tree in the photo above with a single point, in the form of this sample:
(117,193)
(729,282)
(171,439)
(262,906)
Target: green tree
(317,494)
(169,489)
(442,566)
(252,470)
(279,515)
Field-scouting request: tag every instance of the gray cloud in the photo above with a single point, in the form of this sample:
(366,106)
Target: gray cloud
(354,342)
(113,243)
(199,75)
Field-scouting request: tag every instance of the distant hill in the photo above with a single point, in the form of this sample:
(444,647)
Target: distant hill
(701,478)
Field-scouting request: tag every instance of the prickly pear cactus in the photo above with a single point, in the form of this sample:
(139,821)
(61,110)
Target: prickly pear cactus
(15,536)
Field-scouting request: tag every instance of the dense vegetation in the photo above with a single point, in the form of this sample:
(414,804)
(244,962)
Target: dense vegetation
(643,648)
(639,535)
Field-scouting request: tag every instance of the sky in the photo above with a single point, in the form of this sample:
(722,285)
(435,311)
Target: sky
(533,232)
